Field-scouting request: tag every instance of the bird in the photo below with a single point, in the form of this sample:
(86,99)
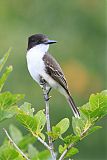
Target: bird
(44,68)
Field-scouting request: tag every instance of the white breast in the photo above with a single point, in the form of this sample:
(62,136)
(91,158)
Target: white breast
(34,60)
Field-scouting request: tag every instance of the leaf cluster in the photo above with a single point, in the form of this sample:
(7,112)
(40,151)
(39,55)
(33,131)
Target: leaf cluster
(8,101)
(35,122)
(91,112)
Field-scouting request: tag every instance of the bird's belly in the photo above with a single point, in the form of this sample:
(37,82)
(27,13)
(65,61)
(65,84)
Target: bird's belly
(54,84)
(34,73)
(50,80)
(35,68)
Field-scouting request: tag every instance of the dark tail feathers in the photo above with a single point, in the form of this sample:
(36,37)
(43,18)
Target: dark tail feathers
(73,106)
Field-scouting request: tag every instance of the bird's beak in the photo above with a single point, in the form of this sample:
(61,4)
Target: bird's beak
(50,42)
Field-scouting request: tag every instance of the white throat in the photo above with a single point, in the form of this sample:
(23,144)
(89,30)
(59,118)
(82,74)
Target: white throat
(35,60)
(41,48)
(37,52)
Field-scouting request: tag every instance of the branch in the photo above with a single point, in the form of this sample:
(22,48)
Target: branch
(43,142)
(14,144)
(65,152)
(46,98)
(72,145)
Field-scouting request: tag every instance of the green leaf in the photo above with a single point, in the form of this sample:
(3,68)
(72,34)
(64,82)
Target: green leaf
(7,152)
(104,92)
(55,133)
(90,113)
(63,125)
(7,99)
(34,124)
(72,152)
(98,105)
(59,129)
(95,101)
(24,143)
(44,155)
(5,76)
(71,139)
(8,107)
(8,113)
(28,121)
(25,116)
(40,119)
(80,125)
(26,107)
(32,151)
(93,129)
(15,133)
(4,59)
(62,148)
(85,110)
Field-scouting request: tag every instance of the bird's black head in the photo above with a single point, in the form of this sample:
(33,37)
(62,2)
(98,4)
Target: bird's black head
(38,39)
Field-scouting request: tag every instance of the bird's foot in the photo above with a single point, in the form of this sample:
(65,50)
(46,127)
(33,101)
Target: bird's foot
(49,91)
(46,97)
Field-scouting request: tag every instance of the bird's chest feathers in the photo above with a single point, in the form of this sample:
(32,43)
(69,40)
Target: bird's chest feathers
(35,62)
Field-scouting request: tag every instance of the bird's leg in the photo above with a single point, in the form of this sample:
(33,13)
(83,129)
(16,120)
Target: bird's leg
(49,91)
(47,97)
(46,92)
(42,82)
(45,89)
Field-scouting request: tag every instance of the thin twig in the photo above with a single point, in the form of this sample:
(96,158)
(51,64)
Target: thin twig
(49,130)
(43,142)
(65,152)
(46,98)
(72,145)
(14,144)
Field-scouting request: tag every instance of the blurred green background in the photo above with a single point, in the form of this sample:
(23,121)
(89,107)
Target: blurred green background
(79,26)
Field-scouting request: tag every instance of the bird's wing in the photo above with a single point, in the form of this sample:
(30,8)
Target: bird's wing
(54,70)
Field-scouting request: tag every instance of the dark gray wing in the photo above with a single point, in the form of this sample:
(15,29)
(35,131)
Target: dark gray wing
(54,70)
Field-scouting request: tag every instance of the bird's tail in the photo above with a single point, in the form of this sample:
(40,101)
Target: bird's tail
(73,106)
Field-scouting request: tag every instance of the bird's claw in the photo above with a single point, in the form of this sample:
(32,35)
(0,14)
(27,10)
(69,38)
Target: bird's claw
(46,97)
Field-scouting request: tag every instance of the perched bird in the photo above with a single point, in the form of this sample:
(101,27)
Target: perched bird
(44,68)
